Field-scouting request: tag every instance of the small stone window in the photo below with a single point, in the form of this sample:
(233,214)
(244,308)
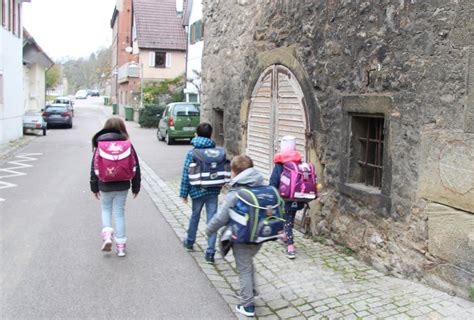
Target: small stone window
(219,126)
(367,141)
(366,173)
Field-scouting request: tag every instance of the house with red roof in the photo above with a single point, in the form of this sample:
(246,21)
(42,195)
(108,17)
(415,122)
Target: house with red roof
(159,38)
(149,44)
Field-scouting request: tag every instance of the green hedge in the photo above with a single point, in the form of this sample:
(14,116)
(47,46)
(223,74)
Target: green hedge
(150,116)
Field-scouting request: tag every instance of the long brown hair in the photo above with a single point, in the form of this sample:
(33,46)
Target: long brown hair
(116,123)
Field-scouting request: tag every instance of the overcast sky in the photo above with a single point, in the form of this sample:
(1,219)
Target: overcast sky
(69,28)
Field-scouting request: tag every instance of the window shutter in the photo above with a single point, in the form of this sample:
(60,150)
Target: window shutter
(202,30)
(168,60)
(193,33)
(198,31)
(151,59)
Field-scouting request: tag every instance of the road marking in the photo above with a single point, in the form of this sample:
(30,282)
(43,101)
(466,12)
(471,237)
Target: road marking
(11,171)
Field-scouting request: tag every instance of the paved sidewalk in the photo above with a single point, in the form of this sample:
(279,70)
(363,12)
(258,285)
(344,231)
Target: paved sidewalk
(9,148)
(320,283)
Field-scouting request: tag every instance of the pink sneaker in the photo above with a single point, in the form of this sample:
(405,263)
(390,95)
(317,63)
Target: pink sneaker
(291,254)
(121,250)
(107,239)
(120,247)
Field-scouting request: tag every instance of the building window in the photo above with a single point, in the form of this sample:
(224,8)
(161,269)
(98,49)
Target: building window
(3,13)
(13,17)
(192,97)
(9,15)
(367,144)
(365,159)
(160,59)
(1,88)
(219,127)
(19,21)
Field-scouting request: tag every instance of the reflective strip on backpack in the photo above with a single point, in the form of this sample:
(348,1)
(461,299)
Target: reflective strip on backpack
(303,195)
(240,219)
(207,174)
(208,182)
(111,157)
(255,206)
(262,239)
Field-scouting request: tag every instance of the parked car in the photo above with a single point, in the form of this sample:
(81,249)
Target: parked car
(66,100)
(81,94)
(33,120)
(179,121)
(95,93)
(57,114)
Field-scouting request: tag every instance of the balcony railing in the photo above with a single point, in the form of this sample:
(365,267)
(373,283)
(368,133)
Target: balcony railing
(128,70)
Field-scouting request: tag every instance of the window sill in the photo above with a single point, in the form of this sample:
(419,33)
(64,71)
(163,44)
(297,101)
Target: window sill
(371,196)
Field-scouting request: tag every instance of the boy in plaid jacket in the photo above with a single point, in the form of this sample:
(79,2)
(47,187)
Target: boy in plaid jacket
(200,197)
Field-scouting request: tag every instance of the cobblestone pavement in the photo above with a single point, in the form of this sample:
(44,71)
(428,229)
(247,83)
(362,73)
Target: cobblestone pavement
(320,283)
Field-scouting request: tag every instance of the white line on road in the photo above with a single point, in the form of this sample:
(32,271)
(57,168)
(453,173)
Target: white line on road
(17,164)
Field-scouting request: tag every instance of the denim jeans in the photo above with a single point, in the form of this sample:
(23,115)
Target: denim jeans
(211,208)
(114,201)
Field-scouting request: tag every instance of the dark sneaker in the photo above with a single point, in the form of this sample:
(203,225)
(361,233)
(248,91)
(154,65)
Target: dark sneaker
(291,254)
(187,246)
(209,258)
(246,311)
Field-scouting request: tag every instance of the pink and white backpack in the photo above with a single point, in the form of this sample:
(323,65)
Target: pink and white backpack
(114,161)
(298,182)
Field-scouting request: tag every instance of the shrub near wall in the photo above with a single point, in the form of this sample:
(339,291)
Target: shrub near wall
(150,116)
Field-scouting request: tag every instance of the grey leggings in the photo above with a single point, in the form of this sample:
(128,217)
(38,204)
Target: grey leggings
(244,254)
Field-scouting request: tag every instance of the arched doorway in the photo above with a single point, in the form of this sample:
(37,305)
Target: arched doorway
(277,108)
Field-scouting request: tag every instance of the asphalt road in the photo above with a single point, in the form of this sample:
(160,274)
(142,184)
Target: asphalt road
(51,263)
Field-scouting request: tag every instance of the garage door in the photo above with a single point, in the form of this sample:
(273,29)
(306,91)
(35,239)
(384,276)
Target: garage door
(276,110)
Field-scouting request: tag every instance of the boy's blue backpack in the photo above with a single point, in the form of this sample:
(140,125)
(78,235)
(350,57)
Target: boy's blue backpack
(256,217)
(210,168)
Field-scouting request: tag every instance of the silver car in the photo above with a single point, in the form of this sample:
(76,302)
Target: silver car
(33,120)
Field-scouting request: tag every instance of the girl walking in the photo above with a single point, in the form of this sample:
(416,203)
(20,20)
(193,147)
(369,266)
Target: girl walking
(287,153)
(114,168)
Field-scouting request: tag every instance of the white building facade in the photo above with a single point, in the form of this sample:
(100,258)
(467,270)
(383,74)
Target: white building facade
(195,41)
(11,71)
(35,65)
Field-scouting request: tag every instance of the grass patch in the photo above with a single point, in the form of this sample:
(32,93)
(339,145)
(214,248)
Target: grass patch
(347,251)
(471,291)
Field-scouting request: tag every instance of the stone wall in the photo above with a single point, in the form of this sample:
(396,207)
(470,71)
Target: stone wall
(414,53)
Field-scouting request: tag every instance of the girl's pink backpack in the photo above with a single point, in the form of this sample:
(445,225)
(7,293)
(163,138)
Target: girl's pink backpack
(114,161)
(298,182)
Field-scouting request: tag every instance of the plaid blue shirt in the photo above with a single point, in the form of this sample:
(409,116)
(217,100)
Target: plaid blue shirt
(186,188)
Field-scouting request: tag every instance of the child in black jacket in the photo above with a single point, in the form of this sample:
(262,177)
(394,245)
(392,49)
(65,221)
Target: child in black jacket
(114,193)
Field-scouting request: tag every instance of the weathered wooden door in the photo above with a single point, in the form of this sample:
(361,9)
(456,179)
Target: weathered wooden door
(277,109)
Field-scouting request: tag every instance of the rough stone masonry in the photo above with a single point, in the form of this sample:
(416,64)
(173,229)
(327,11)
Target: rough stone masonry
(410,61)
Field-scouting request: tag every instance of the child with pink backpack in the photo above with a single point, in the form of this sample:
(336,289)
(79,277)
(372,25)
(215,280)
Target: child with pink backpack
(114,168)
(296,182)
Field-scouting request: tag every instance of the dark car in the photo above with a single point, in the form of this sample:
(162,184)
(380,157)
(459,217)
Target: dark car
(179,121)
(57,115)
(95,93)
(66,100)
